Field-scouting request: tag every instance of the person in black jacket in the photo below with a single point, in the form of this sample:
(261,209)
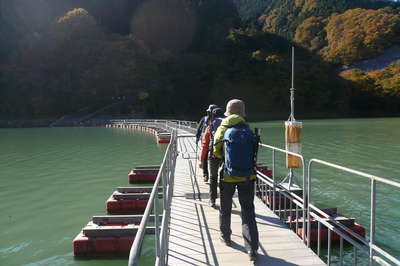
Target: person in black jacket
(213,162)
(200,130)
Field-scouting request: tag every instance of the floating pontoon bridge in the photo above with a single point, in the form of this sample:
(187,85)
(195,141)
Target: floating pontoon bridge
(292,229)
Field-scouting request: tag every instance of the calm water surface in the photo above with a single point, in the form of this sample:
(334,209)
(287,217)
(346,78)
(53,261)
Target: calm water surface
(54,180)
(368,145)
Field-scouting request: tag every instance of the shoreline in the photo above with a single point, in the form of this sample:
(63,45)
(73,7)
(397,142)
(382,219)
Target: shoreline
(46,122)
(26,123)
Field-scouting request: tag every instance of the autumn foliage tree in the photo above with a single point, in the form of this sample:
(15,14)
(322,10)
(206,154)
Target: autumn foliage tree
(359,33)
(375,91)
(284,16)
(311,33)
(388,80)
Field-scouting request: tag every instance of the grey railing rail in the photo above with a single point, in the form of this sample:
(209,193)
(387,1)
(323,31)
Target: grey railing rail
(166,177)
(371,249)
(189,126)
(283,192)
(268,187)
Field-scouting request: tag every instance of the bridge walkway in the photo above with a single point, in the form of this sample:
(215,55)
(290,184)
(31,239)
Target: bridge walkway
(194,226)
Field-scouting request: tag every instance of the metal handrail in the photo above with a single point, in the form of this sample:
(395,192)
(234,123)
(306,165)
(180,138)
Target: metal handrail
(166,176)
(166,123)
(275,185)
(309,210)
(189,126)
(371,243)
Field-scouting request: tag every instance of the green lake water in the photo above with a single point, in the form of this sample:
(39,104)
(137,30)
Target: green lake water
(368,145)
(53,180)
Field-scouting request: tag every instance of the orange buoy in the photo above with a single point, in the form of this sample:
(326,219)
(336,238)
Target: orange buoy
(293,143)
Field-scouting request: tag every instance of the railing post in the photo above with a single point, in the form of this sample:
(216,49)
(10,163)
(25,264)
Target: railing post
(329,246)
(355,256)
(157,226)
(165,182)
(341,252)
(308,203)
(273,180)
(306,219)
(319,238)
(372,225)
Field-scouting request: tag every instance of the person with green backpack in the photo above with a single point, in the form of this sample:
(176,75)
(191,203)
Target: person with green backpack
(236,144)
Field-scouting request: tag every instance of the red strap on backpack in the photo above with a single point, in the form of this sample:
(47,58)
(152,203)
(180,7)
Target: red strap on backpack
(205,142)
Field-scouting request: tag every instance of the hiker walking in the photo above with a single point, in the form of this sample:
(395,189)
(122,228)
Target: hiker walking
(213,162)
(200,135)
(235,143)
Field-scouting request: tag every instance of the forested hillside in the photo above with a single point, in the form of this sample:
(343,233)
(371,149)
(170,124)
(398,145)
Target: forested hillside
(342,33)
(175,57)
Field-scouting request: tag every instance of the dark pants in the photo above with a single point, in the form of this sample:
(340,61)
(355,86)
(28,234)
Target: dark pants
(246,199)
(205,167)
(213,166)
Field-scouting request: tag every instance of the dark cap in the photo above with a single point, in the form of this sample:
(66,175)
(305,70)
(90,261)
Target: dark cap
(218,112)
(211,107)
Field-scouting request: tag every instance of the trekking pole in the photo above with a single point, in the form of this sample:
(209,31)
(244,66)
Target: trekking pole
(196,160)
(258,140)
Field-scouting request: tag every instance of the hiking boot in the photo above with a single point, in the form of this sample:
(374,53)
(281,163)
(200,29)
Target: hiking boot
(252,255)
(226,240)
(212,203)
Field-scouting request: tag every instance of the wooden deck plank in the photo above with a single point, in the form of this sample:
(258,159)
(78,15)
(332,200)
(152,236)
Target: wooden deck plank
(194,226)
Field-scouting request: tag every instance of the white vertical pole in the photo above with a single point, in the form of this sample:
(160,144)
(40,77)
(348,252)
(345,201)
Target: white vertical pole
(372,224)
(291,118)
(292,66)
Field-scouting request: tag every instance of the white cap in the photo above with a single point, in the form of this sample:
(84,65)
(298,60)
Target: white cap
(236,107)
